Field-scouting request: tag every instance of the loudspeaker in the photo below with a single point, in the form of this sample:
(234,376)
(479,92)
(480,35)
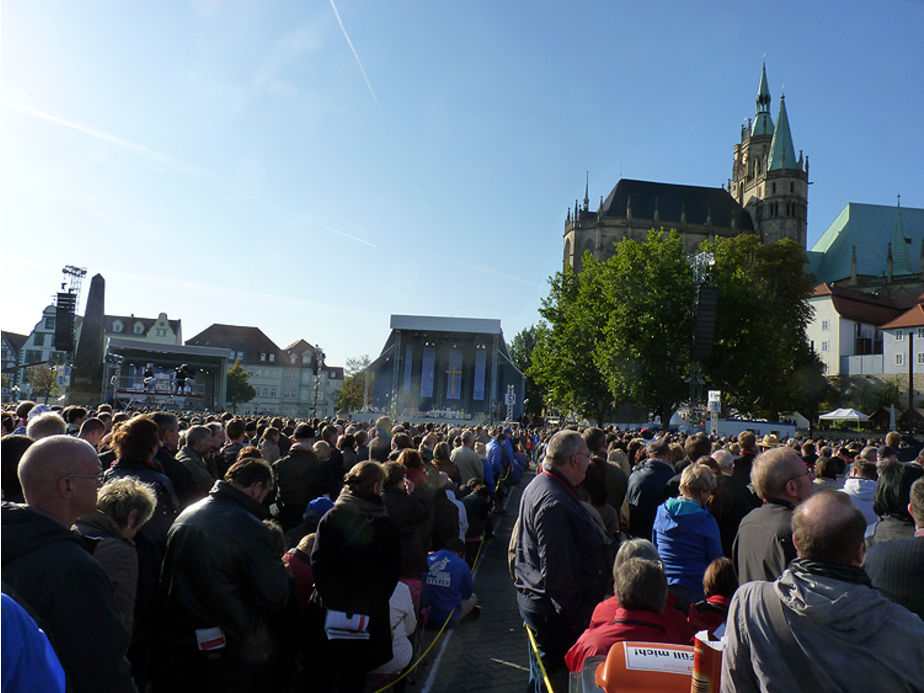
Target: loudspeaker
(65,307)
(704,319)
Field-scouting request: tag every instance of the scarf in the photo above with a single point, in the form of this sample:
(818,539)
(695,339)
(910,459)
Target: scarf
(366,504)
(836,571)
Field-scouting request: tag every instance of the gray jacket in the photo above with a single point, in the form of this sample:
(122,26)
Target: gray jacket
(847,635)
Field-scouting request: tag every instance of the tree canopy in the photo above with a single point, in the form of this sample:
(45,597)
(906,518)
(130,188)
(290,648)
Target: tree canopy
(239,389)
(521,352)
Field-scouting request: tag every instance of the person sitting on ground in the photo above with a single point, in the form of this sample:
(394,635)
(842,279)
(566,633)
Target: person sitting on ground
(447,588)
(719,585)
(820,627)
(124,505)
(896,568)
(641,590)
(890,502)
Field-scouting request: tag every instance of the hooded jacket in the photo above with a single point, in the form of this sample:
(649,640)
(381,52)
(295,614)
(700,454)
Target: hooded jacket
(687,538)
(51,570)
(846,634)
(861,492)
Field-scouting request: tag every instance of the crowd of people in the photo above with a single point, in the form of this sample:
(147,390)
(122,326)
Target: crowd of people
(168,552)
(806,558)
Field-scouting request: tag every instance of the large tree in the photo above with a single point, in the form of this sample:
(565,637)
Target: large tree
(761,359)
(43,380)
(355,389)
(644,354)
(239,390)
(521,352)
(562,360)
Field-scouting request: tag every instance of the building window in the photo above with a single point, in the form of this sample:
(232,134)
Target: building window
(825,325)
(773,188)
(49,322)
(117,326)
(824,367)
(139,328)
(263,356)
(899,359)
(39,339)
(921,357)
(293,358)
(824,346)
(272,357)
(921,333)
(272,392)
(899,336)
(33,355)
(161,333)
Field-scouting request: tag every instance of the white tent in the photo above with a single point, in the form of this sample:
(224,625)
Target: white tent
(846,414)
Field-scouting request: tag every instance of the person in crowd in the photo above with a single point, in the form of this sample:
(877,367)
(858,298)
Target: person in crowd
(269,444)
(168,431)
(477,502)
(442,460)
(45,425)
(192,456)
(223,581)
(403,619)
(741,475)
(819,626)
(890,503)
(356,562)
(467,460)
(123,507)
(235,432)
(826,471)
(12,448)
(29,660)
(719,585)
(763,546)
(686,535)
(92,430)
(860,485)
(448,594)
(559,562)
(896,568)
(335,460)
(314,511)
(60,477)
(297,561)
(640,588)
(648,488)
(300,477)
(410,514)
(615,479)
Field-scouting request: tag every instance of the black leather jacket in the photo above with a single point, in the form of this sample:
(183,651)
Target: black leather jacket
(222,568)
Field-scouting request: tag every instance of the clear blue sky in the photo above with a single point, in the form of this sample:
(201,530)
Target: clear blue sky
(260,163)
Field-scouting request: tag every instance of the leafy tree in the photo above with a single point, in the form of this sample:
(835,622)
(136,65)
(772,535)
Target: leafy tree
(760,358)
(521,351)
(352,395)
(43,381)
(645,351)
(239,389)
(562,360)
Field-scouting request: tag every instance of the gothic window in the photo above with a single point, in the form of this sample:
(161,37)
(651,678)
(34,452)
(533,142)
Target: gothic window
(567,249)
(773,188)
(792,187)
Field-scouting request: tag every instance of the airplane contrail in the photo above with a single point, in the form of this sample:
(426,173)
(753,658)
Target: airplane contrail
(355,55)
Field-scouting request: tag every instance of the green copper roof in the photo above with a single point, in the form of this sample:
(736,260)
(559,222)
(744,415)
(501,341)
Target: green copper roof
(869,229)
(763,123)
(782,154)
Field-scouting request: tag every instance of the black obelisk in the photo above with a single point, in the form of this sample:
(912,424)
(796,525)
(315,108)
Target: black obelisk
(87,374)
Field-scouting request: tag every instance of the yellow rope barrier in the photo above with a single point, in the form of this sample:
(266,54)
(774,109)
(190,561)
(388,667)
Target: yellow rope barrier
(532,641)
(419,659)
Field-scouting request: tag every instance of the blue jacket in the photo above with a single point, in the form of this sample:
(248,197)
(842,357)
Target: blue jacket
(561,563)
(446,584)
(687,538)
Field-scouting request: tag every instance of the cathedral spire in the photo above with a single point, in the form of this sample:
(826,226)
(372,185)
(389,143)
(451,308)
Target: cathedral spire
(782,153)
(586,190)
(763,124)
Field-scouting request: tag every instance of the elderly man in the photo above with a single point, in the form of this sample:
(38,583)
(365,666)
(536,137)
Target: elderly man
(51,569)
(561,563)
(763,546)
(820,626)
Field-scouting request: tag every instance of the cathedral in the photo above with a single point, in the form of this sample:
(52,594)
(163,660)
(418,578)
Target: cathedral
(767,195)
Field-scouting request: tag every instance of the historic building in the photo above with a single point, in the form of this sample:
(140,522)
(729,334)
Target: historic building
(767,195)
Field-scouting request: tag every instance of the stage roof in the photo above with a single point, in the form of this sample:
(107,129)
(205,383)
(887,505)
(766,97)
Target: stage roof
(430,323)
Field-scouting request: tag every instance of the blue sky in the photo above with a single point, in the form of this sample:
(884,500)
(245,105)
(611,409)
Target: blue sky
(313,167)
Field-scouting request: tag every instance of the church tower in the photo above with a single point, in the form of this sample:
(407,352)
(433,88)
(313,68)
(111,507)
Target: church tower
(767,178)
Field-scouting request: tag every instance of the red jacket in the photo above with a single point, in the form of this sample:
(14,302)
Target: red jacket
(611,623)
(708,614)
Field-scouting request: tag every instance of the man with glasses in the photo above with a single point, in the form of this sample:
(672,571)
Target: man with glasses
(51,570)
(561,564)
(763,546)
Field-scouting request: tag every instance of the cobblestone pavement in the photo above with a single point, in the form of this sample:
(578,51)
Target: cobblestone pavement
(490,653)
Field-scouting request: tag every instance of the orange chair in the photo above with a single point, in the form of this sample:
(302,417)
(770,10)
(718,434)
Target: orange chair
(646,666)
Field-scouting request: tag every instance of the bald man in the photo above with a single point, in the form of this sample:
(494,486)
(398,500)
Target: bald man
(51,570)
(820,626)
